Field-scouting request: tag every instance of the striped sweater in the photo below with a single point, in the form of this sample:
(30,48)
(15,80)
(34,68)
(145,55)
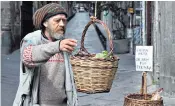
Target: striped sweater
(46,55)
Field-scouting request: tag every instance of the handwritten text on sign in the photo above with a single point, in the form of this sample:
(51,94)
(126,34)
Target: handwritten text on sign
(144,58)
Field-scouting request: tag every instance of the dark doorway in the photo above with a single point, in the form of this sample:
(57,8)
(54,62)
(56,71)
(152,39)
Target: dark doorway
(26,18)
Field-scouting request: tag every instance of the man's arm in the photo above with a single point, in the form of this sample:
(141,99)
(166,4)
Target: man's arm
(35,55)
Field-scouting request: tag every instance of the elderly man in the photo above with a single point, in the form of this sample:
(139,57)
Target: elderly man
(42,74)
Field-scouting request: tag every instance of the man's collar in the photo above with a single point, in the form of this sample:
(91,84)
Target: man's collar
(44,35)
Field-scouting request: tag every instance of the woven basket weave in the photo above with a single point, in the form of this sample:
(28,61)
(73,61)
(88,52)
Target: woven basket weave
(93,75)
(142,99)
(138,100)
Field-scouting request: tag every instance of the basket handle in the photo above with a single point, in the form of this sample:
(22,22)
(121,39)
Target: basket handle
(83,50)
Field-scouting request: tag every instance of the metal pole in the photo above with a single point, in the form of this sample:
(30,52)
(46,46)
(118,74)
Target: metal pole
(130,30)
(143,24)
(95,8)
(156,41)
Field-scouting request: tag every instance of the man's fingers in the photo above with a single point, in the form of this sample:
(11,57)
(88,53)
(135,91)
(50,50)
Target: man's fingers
(72,44)
(69,47)
(73,40)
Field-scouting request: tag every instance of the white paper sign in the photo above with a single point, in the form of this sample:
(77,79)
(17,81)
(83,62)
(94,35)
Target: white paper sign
(144,58)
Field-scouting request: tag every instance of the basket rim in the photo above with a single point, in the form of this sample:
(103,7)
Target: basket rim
(142,99)
(96,67)
(116,58)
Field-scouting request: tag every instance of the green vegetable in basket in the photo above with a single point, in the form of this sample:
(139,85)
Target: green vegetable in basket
(99,55)
(104,54)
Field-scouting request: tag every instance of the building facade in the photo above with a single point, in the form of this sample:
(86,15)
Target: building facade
(163,35)
(158,19)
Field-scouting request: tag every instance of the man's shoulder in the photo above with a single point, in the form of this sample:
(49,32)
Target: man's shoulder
(33,35)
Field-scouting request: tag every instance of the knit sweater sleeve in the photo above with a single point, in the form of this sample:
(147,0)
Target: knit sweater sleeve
(34,55)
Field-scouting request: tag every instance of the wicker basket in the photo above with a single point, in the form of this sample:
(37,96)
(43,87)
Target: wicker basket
(138,100)
(93,75)
(142,99)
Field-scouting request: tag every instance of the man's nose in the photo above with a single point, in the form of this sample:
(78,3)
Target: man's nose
(61,23)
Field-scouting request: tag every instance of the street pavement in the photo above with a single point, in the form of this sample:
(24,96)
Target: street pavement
(9,77)
(126,81)
(75,29)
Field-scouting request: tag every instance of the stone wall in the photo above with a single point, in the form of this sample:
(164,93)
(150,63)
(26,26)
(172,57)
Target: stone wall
(6,17)
(167,47)
(164,46)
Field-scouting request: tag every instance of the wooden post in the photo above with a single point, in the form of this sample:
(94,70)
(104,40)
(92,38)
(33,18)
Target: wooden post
(143,89)
(145,85)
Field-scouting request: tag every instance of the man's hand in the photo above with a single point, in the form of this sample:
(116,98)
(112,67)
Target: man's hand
(68,45)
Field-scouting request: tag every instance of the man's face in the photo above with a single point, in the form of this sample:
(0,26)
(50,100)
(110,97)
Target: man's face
(56,26)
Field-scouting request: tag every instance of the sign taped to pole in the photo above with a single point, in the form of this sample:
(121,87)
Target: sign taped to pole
(144,58)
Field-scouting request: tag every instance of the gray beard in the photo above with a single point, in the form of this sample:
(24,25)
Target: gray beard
(56,36)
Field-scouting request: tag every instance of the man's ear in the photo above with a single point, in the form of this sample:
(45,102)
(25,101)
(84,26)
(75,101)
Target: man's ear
(45,24)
